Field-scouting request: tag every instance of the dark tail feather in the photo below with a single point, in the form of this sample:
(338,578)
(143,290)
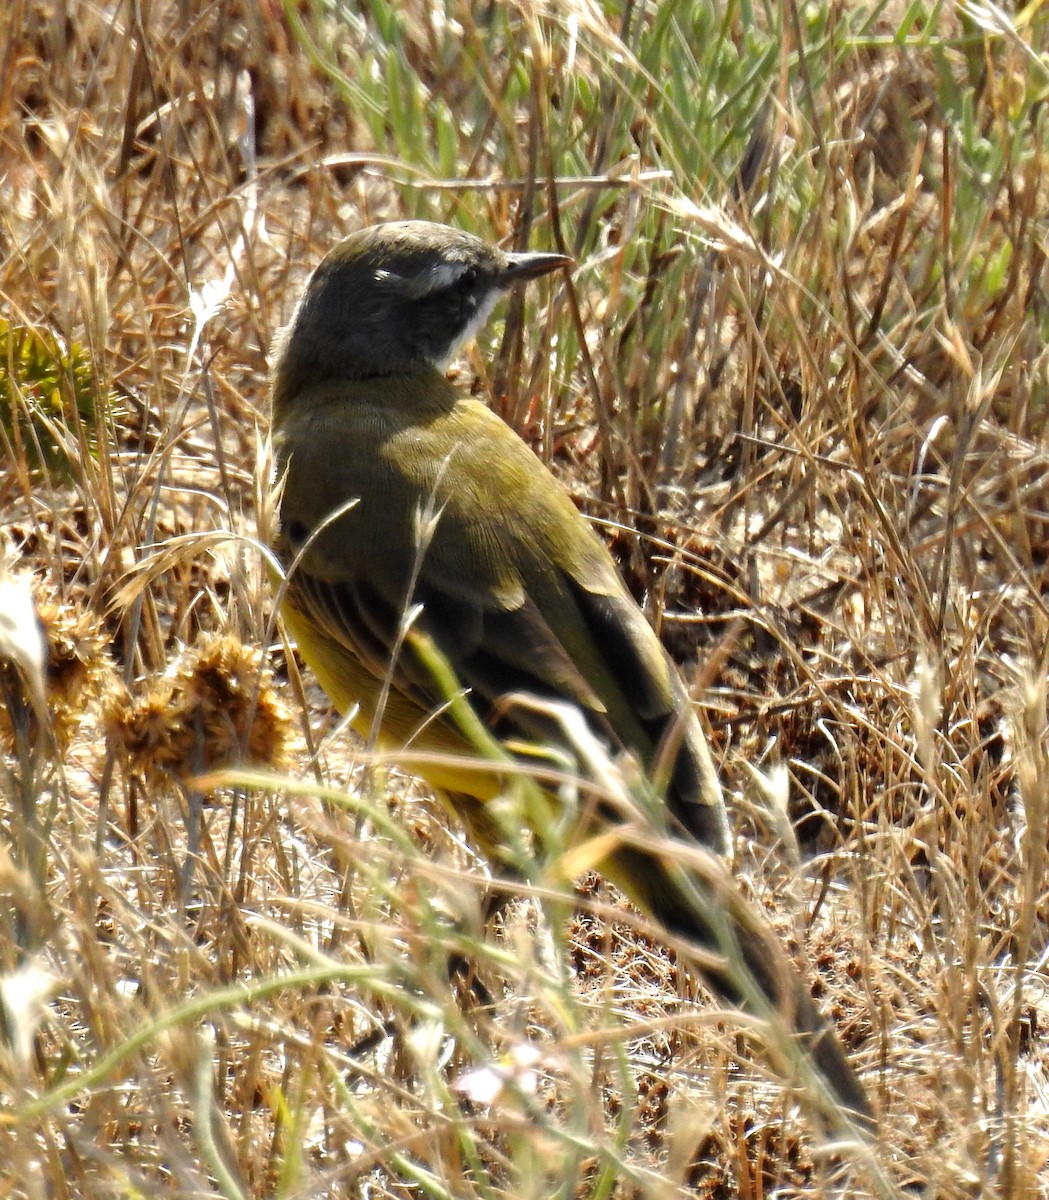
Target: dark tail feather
(739,956)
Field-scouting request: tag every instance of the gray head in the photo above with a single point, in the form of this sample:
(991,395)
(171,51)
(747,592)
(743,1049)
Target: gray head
(398,297)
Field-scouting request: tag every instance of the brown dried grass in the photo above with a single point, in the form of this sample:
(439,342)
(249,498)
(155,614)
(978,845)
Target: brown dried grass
(810,410)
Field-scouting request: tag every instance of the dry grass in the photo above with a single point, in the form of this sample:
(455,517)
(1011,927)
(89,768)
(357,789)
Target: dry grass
(807,400)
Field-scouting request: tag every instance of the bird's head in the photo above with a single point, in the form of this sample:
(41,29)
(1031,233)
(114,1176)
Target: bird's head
(399,297)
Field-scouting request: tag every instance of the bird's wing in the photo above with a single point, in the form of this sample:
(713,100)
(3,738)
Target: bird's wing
(573,633)
(493,571)
(513,587)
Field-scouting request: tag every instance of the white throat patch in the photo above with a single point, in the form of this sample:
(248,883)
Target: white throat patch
(469,330)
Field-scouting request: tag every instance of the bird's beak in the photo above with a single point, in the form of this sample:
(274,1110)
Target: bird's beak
(530,266)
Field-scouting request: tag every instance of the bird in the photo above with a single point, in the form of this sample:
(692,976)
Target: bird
(414,522)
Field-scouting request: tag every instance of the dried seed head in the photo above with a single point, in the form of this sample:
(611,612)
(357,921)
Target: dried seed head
(215,707)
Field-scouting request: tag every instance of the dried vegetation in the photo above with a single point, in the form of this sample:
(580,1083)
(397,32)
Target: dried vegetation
(799,380)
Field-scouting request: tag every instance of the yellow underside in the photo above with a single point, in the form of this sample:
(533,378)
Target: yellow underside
(405,728)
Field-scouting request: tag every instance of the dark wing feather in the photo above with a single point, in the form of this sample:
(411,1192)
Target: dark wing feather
(493,651)
(646,676)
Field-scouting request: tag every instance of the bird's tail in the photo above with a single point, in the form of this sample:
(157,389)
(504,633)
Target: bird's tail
(731,948)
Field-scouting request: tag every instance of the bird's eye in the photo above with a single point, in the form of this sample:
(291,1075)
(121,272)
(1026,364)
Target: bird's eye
(468,279)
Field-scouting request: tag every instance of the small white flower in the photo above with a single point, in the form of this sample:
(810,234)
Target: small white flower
(484,1085)
(24,994)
